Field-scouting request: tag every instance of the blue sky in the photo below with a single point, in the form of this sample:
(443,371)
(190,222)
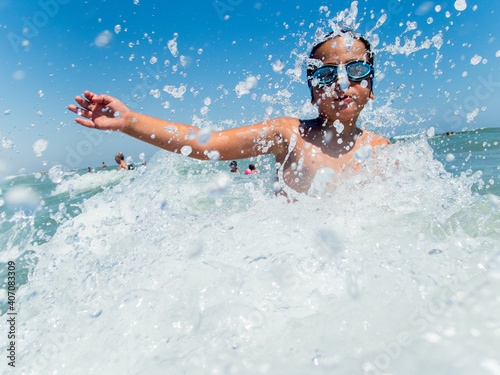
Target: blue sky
(53,50)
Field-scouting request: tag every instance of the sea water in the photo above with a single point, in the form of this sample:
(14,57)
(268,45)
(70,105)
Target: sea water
(180,267)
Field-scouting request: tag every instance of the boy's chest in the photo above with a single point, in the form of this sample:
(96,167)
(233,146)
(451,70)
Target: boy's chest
(306,160)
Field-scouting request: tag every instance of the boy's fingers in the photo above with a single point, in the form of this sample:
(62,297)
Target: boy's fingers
(87,123)
(79,111)
(84,103)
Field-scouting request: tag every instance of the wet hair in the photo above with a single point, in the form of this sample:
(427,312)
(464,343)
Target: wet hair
(251,167)
(233,163)
(330,36)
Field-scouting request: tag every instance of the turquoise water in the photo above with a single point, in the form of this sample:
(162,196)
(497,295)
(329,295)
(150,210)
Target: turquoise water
(179,267)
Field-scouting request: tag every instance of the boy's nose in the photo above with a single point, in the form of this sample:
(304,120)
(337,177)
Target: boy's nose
(342,78)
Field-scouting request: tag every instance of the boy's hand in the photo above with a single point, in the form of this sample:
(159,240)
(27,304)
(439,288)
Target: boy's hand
(100,112)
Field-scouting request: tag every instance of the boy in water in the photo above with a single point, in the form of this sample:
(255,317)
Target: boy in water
(340,83)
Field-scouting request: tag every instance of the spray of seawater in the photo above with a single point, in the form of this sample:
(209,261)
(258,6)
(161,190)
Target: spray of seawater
(183,268)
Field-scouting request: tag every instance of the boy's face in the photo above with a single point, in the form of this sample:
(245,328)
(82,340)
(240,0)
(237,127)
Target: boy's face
(333,102)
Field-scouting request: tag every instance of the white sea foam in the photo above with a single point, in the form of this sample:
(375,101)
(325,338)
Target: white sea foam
(184,270)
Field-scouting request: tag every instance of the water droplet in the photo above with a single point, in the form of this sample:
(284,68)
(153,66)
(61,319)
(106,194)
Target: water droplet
(476,59)
(186,150)
(117,114)
(213,155)
(40,146)
(460,5)
(450,157)
(56,174)
(363,154)
(204,135)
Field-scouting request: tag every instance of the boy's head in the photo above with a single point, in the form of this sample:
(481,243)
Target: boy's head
(340,74)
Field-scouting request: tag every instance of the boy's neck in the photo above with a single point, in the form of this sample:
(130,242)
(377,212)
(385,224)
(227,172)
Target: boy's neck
(345,130)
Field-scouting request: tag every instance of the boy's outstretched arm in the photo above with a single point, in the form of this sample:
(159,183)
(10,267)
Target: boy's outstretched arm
(107,113)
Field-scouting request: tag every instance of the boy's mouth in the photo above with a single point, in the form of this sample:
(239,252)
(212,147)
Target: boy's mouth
(344,99)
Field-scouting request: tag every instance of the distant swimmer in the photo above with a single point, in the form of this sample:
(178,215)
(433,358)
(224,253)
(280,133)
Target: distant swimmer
(234,167)
(104,165)
(120,160)
(450,133)
(251,169)
(89,169)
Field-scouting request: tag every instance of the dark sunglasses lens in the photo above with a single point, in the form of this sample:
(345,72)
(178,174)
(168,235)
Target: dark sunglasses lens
(326,74)
(358,70)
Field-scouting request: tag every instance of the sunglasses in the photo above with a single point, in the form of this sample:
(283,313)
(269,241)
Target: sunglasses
(356,71)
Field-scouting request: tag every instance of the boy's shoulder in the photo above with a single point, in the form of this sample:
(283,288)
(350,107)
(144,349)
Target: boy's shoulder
(374,139)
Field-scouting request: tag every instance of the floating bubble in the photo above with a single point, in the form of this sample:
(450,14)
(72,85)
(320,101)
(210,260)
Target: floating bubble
(40,93)
(103,39)
(200,51)
(460,5)
(118,28)
(40,146)
(155,93)
(339,127)
(278,66)
(165,105)
(476,59)
(363,153)
(213,155)
(431,132)
(204,110)
(7,112)
(56,174)
(207,101)
(450,157)
(438,8)
(22,197)
(186,150)
(497,54)
(244,87)
(153,60)
(174,91)
(7,143)
(172,46)
(204,135)
(19,75)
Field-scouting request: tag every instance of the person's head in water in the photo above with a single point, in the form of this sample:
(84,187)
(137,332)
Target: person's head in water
(339,75)
(251,167)
(234,166)
(119,157)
